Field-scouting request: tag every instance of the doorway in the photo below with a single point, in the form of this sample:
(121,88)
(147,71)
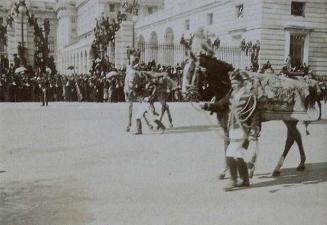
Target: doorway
(297,49)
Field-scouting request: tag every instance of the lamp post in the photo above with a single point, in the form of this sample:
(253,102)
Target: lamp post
(22,10)
(134,19)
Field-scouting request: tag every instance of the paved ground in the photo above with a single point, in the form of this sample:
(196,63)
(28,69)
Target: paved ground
(73,164)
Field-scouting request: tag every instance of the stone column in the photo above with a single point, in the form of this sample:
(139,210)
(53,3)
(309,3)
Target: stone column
(124,39)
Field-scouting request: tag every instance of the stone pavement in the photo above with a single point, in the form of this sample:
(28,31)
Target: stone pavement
(73,164)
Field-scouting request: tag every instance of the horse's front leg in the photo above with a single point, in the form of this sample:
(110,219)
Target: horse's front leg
(222,174)
(289,142)
(147,122)
(130,114)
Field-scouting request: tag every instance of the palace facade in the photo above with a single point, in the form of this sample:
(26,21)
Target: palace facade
(283,27)
(76,22)
(42,10)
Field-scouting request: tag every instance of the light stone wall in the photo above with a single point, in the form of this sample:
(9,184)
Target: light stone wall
(278,24)
(75,50)
(269,21)
(41,10)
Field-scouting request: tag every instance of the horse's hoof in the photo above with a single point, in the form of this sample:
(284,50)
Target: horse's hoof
(251,173)
(221,176)
(250,165)
(300,168)
(151,127)
(276,174)
(128,129)
(230,186)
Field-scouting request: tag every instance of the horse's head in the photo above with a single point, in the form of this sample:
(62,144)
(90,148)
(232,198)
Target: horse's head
(215,77)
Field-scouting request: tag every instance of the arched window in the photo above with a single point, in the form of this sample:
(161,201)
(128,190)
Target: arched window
(169,47)
(141,47)
(153,47)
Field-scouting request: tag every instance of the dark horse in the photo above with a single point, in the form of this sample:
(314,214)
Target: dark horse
(219,85)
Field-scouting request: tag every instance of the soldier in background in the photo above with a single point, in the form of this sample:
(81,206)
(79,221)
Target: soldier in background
(216,43)
(44,87)
(243,44)
(248,47)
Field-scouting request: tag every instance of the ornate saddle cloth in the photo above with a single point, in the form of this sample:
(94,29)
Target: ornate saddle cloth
(280,97)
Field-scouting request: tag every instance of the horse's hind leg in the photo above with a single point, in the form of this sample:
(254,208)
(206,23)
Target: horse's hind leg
(164,108)
(293,135)
(169,116)
(298,140)
(289,142)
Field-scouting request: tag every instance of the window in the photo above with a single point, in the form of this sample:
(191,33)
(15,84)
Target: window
(210,18)
(112,8)
(187,24)
(239,11)
(150,10)
(297,8)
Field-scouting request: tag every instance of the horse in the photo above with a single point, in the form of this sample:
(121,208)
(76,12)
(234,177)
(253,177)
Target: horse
(136,87)
(217,76)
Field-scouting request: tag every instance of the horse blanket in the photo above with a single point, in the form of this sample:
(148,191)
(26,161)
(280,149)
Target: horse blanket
(280,96)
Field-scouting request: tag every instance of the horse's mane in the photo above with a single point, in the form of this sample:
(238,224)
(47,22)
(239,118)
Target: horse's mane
(215,65)
(217,75)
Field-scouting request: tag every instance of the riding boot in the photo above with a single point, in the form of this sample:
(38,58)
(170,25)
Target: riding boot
(138,127)
(244,173)
(232,165)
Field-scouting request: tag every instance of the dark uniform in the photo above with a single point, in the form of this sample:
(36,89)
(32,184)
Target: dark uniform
(44,88)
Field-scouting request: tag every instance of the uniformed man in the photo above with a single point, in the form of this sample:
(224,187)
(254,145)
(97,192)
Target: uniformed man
(44,86)
(200,46)
(240,130)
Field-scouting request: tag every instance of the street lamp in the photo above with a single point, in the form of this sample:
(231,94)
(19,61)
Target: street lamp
(134,19)
(22,10)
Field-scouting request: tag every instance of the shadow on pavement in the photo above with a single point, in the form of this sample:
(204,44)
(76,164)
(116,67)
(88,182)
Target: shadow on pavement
(322,121)
(315,173)
(192,129)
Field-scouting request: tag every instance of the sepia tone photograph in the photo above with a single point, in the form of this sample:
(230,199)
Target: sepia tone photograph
(163,112)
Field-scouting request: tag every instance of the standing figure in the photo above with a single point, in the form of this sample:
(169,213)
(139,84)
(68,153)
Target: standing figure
(44,86)
(132,83)
(243,124)
(288,63)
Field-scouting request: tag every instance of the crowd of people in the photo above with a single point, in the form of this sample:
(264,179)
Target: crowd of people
(104,84)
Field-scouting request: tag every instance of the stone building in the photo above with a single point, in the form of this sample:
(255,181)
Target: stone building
(283,27)
(41,10)
(76,21)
